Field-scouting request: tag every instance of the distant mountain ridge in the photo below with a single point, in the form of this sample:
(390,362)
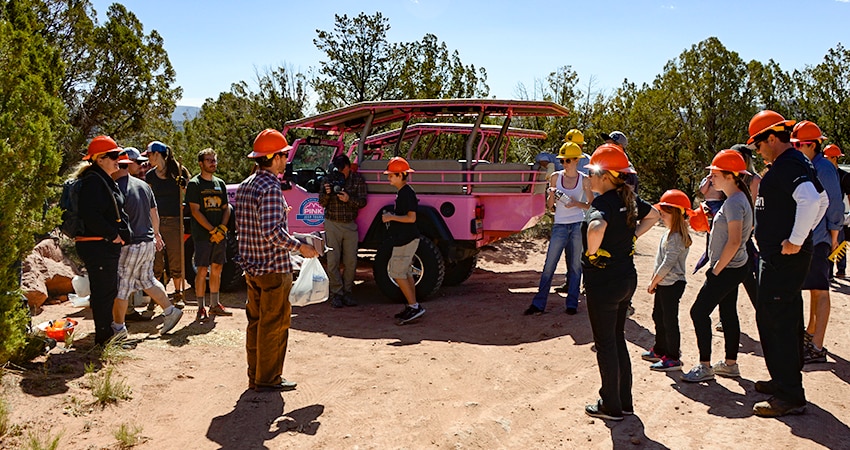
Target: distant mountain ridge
(182,114)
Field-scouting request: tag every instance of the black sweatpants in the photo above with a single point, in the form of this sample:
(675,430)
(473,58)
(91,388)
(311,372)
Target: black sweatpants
(101,260)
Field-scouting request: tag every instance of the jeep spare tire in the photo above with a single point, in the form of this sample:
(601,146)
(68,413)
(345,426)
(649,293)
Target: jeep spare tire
(428,270)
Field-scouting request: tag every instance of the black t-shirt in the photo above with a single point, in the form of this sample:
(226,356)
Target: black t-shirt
(405,201)
(619,238)
(167,193)
(775,205)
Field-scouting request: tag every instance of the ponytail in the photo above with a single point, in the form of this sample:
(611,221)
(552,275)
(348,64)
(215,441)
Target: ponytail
(627,196)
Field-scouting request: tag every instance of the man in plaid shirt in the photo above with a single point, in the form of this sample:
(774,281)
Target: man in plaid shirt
(343,194)
(264,246)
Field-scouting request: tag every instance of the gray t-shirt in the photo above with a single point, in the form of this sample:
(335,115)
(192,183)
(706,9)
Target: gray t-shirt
(735,208)
(138,202)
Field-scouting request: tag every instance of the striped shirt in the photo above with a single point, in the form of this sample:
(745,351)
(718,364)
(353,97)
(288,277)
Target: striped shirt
(264,239)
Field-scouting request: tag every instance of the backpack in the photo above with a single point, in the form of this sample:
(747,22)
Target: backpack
(72,224)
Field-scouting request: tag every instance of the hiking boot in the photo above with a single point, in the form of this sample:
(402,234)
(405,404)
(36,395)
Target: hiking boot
(724,370)
(336,301)
(564,288)
(533,311)
(177,300)
(599,412)
(666,365)
(650,356)
(411,313)
(218,310)
(572,311)
(348,299)
(766,387)
(775,407)
(699,373)
(812,355)
(279,387)
(170,321)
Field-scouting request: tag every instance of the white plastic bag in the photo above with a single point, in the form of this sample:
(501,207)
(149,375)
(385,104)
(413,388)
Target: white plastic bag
(312,285)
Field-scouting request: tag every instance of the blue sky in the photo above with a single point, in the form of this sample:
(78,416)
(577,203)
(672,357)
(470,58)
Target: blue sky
(215,43)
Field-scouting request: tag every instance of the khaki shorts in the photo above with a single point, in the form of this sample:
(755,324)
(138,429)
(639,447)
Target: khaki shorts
(401,260)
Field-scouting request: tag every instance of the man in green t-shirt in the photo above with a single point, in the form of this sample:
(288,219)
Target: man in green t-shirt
(206,195)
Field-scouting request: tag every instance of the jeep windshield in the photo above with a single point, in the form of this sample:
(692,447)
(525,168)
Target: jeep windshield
(312,154)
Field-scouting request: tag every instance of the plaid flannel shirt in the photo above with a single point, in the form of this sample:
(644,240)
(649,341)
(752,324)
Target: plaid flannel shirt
(264,239)
(336,209)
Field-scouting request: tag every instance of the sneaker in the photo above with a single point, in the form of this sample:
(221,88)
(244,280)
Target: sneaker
(775,407)
(218,310)
(724,370)
(533,311)
(699,373)
(766,387)
(177,300)
(807,338)
(348,299)
(598,411)
(170,321)
(719,326)
(336,301)
(666,365)
(201,315)
(813,355)
(564,288)
(282,386)
(118,336)
(650,356)
(152,306)
(411,313)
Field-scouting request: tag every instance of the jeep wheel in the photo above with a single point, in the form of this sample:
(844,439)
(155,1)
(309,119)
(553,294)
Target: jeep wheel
(428,270)
(460,271)
(232,278)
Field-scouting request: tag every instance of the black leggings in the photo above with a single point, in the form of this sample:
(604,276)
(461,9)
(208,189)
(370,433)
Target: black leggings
(719,290)
(665,314)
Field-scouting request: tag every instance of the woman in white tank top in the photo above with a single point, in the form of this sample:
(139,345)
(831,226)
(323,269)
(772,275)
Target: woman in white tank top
(569,194)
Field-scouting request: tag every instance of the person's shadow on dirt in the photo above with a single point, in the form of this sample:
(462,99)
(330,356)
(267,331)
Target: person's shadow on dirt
(820,426)
(720,400)
(630,434)
(51,377)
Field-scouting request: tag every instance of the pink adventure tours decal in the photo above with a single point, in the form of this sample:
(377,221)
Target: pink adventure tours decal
(311,212)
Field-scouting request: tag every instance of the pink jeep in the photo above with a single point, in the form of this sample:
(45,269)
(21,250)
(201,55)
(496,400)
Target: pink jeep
(465,203)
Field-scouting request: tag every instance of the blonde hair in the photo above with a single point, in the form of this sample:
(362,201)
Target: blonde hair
(679,223)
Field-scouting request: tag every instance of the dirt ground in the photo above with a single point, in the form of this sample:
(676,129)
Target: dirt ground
(472,373)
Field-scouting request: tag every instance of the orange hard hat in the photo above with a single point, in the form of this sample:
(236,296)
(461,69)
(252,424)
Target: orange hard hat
(807,131)
(729,161)
(767,120)
(101,144)
(268,143)
(832,150)
(676,199)
(610,157)
(699,221)
(397,164)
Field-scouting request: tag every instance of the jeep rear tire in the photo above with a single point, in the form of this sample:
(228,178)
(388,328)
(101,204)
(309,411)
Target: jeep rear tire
(428,270)
(232,278)
(460,271)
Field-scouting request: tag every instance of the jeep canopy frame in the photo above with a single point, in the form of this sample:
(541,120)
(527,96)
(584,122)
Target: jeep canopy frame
(362,117)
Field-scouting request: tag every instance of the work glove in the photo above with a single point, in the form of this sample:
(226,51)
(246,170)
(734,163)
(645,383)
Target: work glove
(599,259)
(218,234)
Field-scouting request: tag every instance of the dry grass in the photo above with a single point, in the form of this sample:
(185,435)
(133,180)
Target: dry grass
(127,435)
(105,388)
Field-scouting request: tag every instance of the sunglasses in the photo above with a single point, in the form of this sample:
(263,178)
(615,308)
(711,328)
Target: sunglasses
(111,155)
(802,143)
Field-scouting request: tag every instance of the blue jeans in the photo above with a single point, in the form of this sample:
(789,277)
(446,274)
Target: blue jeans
(566,238)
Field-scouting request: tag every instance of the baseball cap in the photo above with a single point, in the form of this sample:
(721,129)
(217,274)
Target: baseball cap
(157,146)
(133,154)
(617,136)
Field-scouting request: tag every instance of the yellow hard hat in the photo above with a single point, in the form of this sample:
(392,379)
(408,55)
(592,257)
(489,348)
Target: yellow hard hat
(575,136)
(569,150)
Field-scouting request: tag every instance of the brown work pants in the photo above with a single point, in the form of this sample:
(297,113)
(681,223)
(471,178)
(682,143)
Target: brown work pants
(269,313)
